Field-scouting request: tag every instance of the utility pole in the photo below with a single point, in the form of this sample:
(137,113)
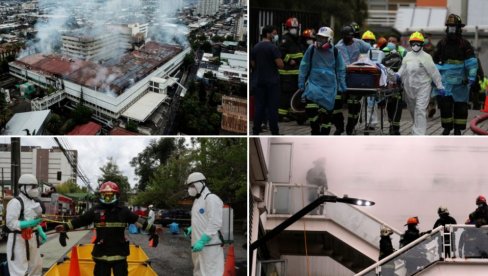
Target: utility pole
(15,161)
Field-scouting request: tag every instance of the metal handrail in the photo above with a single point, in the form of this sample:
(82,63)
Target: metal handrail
(401,251)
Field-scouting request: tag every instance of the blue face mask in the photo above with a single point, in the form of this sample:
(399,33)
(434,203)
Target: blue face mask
(391,46)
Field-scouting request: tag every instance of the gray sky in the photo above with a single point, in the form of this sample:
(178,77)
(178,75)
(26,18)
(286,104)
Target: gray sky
(405,176)
(94,151)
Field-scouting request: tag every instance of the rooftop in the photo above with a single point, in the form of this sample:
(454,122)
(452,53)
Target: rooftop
(115,75)
(31,121)
(89,128)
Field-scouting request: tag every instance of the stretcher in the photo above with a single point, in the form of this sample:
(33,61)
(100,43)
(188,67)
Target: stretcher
(138,262)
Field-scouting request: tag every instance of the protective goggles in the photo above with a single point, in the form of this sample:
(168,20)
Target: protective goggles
(416,43)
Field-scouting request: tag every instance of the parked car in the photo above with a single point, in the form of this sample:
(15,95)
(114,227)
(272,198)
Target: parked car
(180,216)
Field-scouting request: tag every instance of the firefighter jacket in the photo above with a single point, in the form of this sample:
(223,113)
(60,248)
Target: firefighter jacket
(290,50)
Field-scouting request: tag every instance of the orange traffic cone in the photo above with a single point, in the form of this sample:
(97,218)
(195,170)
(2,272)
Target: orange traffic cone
(485,109)
(94,237)
(74,265)
(230,263)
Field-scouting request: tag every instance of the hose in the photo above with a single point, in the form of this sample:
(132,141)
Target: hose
(474,124)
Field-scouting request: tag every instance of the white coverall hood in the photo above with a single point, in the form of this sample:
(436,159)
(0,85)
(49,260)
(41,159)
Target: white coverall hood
(417,72)
(206,218)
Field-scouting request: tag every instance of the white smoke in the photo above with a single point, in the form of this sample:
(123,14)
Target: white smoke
(65,15)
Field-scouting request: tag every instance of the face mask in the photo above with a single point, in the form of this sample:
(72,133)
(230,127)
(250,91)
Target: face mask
(275,38)
(192,191)
(33,192)
(451,30)
(293,31)
(309,42)
(416,48)
(391,46)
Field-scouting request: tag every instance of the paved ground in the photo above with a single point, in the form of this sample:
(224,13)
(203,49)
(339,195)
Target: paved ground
(433,125)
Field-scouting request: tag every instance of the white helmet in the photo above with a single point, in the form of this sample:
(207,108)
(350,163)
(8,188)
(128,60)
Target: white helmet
(326,32)
(442,210)
(197,179)
(28,179)
(150,206)
(385,231)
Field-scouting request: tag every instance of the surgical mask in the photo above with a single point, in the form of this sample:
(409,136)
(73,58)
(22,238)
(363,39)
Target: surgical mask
(192,191)
(416,48)
(33,192)
(275,38)
(293,31)
(451,29)
(391,46)
(310,42)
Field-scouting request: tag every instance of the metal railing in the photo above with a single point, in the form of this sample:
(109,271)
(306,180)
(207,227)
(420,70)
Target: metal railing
(442,244)
(286,199)
(44,103)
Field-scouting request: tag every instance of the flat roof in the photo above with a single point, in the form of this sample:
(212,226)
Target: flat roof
(144,107)
(90,128)
(31,121)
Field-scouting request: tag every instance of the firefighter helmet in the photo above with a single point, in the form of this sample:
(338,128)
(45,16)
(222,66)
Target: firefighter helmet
(108,192)
(292,22)
(480,199)
(368,35)
(412,220)
(381,42)
(385,231)
(454,20)
(442,210)
(416,37)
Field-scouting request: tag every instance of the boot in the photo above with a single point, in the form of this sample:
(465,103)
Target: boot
(338,131)
(447,131)
(457,132)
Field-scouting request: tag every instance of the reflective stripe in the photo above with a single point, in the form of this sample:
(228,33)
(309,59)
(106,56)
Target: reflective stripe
(338,97)
(292,56)
(460,121)
(312,105)
(282,111)
(454,61)
(395,123)
(326,125)
(337,111)
(111,224)
(313,119)
(289,72)
(447,120)
(110,258)
(70,226)
(353,116)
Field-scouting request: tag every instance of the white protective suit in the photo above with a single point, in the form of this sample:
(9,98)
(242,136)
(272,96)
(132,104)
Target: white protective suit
(206,217)
(20,266)
(151,217)
(417,72)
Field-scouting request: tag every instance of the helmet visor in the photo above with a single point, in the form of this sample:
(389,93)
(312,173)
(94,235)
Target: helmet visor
(108,197)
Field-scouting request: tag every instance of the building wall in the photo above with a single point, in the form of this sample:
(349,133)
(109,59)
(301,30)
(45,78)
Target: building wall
(207,7)
(431,3)
(105,46)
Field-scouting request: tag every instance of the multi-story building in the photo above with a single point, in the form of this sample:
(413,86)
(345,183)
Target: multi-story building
(48,165)
(241,32)
(208,7)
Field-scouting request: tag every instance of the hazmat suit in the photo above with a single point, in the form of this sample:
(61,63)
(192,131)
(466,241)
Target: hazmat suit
(322,78)
(417,72)
(206,222)
(151,217)
(23,255)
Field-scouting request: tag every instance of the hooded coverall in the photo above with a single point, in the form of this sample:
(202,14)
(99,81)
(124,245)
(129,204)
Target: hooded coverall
(417,72)
(206,218)
(20,266)
(327,77)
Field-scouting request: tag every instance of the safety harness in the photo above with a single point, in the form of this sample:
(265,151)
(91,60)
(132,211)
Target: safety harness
(15,232)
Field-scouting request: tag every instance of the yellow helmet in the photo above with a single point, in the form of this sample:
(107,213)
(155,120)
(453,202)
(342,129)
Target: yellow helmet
(368,35)
(416,37)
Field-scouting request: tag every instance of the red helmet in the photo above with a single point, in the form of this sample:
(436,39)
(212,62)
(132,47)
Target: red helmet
(292,22)
(109,187)
(480,199)
(412,220)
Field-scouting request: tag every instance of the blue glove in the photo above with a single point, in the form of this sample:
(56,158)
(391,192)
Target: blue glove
(441,92)
(42,234)
(29,223)
(187,232)
(200,244)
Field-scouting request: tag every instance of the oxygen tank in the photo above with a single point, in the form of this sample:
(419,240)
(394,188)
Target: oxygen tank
(227,229)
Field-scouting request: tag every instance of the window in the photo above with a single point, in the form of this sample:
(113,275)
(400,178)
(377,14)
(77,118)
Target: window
(280,163)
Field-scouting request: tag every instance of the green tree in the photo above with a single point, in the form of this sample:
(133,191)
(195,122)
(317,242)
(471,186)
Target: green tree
(82,114)
(206,47)
(111,172)
(54,124)
(189,60)
(70,187)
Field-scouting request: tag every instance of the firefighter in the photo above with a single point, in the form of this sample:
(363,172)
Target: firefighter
(457,64)
(206,222)
(444,219)
(110,218)
(22,219)
(386,247)
(480,216)
(292,55)
(417,258)
(350,48)
(307,39)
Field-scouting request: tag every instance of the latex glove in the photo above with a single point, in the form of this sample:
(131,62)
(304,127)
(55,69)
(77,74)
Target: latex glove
(62,238)
(187,232)
(441,92)
(155,240)
(41,234)
(29,223)
(200,244)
